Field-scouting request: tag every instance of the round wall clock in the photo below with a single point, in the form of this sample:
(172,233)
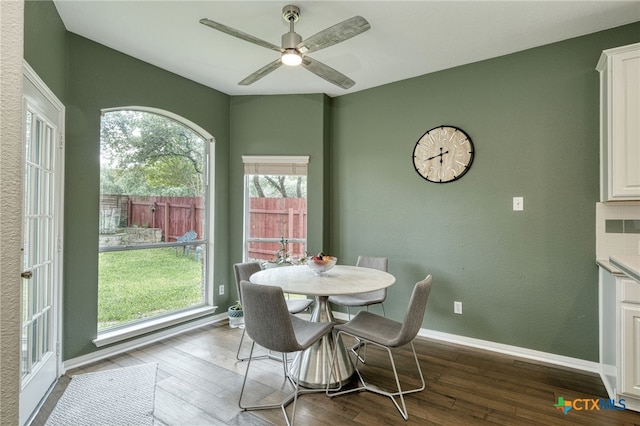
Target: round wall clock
(443,154)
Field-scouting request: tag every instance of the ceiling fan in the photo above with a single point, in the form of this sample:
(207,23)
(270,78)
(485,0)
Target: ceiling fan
(294,50)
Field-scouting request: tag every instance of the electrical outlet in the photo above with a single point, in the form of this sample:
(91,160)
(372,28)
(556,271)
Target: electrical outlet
(518,204)
(221,289)
(457,308)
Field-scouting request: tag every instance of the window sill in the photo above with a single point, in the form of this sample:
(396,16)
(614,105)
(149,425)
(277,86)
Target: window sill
(117,335)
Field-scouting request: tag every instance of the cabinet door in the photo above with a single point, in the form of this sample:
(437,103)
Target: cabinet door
(624,146)
(630,350)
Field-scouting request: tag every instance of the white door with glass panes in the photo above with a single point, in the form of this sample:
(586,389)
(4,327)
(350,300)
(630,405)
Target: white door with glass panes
(43,154)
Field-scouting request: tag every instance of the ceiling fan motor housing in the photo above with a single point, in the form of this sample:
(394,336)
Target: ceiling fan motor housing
(291,40)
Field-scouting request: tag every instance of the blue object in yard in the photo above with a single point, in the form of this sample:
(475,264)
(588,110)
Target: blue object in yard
(189,236)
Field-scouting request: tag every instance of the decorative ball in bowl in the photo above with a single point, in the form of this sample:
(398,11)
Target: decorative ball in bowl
(320,265)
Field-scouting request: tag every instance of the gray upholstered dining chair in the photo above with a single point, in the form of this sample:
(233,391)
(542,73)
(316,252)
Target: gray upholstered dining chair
(270,325)
(369,298)
(242,272)
(386,333)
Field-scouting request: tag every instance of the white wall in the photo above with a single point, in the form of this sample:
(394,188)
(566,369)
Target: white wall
(11,47)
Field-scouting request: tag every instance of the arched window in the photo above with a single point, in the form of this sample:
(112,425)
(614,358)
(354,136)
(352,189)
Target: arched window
(154,224)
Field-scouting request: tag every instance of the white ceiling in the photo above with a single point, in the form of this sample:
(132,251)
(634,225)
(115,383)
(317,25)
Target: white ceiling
(406,39)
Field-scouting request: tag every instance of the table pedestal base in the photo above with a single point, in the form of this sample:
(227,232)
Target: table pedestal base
(313,362)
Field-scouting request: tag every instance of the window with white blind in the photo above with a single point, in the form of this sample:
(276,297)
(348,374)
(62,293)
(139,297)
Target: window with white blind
(275,208)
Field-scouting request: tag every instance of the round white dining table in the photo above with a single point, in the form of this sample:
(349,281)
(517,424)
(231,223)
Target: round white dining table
(340,280)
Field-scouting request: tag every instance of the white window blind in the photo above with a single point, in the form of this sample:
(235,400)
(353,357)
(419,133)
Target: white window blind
(275,165)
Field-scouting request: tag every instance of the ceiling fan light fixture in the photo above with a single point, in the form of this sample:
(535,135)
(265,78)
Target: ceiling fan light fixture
(291,57)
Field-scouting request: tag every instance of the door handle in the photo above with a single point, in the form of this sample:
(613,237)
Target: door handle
(27,274)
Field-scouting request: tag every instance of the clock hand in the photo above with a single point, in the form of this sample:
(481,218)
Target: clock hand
(439,155)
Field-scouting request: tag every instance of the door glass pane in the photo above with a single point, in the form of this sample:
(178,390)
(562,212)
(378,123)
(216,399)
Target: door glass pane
(48,146)
(35,241)
(27,132)
(25,353)
(35,291)
(45,326)
(36,142)
(47,249)
(34,341)
(47,187)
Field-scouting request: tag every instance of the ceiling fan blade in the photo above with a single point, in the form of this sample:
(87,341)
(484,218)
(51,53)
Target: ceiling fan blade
(334,34)
(261,72)
(239,34)
(328,73)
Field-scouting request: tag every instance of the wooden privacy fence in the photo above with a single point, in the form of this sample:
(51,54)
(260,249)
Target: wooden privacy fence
(276,218)
(174,215)
(272,218)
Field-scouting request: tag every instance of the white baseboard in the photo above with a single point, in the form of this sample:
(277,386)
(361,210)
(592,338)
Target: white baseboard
(565,361)
(631,403)
(531,354)
(136,343)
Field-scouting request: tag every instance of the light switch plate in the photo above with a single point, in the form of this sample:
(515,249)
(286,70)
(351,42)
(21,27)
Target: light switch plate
(518,204)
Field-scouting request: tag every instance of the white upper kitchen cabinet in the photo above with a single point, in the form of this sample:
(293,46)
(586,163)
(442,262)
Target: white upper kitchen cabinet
(620,123)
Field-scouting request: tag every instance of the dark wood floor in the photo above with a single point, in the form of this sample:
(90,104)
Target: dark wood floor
(199,381)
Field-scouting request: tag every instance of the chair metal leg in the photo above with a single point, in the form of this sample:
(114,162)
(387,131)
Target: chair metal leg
(295,381)
(356,347)
(375,389)
(282,405)
(240,346)
(331,392)
(269,354)
(287,372)
(336,391)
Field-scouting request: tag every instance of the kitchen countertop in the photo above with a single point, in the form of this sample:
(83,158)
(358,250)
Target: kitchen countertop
(630,265)
(609,267)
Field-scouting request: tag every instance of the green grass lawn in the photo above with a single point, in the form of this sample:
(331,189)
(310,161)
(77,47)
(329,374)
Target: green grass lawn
(136,284)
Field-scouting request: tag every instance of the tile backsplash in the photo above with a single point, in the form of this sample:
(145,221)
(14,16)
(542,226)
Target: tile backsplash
(619,226)
(617,229)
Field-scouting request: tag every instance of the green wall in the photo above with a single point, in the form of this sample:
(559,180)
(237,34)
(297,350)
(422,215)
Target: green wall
(280,125)
(45,46)
(103,78)
(527,279)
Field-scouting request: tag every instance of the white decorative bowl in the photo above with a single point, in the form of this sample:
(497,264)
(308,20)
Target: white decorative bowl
(321,267)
